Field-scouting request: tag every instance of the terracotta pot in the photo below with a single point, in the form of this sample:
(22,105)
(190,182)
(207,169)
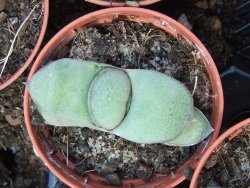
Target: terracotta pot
(63,37)
(229,135)
(119,3)
(10,80)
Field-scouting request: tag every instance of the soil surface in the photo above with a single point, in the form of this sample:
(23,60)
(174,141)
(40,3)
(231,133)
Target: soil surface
(14,15)
(131,44)
(19,167)
(229,165)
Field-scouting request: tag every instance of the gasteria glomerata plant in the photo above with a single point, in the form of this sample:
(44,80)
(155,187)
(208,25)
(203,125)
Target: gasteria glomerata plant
(142,106)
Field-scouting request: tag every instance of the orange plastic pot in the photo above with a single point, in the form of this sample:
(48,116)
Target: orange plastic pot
(226,136)
(119,3)
(53,159)
(8,81)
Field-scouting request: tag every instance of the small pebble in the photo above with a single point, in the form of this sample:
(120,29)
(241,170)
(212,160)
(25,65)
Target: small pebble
(144,172)
(213,184)
(188,173)
(166,46)
(114,179)
(185,151)
(156,48)
(164,62)
(13,20)
(3,16)
(153,62)
(22,6)
(14,121)
(85,132)
(174,160)
(107,170)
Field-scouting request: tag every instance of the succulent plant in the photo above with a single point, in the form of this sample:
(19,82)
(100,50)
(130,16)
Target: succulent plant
(142,106)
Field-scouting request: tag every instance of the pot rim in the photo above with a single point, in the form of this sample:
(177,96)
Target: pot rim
(231,133)
(160,21)
(45,9)
(107,3)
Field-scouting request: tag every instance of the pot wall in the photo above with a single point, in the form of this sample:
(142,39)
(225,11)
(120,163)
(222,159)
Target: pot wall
(35,50)
(53,160)
(229,134)
(119,3)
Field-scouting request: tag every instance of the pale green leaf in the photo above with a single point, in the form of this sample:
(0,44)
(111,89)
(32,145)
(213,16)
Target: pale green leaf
(142,106)
(197,130)
(60,89)
(108,97)
(159,109)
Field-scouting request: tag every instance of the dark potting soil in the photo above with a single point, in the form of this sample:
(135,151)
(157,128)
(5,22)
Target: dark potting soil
(14,15)
(19,166)
(131,44)
(229,165)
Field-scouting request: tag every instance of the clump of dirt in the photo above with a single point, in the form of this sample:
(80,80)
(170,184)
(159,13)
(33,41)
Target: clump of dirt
(17,159)
(229,166)
(130,44)
(13,16)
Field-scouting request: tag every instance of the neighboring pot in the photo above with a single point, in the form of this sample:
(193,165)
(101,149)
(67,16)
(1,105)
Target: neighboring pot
(228,135)
(53,159)
(119,3)
(45,9)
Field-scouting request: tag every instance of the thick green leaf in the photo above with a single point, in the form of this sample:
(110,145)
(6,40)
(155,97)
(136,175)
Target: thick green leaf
(159,109)
(139,105)
(108,97)
(197,130)
(60,91)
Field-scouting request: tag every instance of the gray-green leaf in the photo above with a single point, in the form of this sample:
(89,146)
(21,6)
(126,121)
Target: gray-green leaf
(197,130)
(60,91)
(142,106)
(108,97)
(159,109)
